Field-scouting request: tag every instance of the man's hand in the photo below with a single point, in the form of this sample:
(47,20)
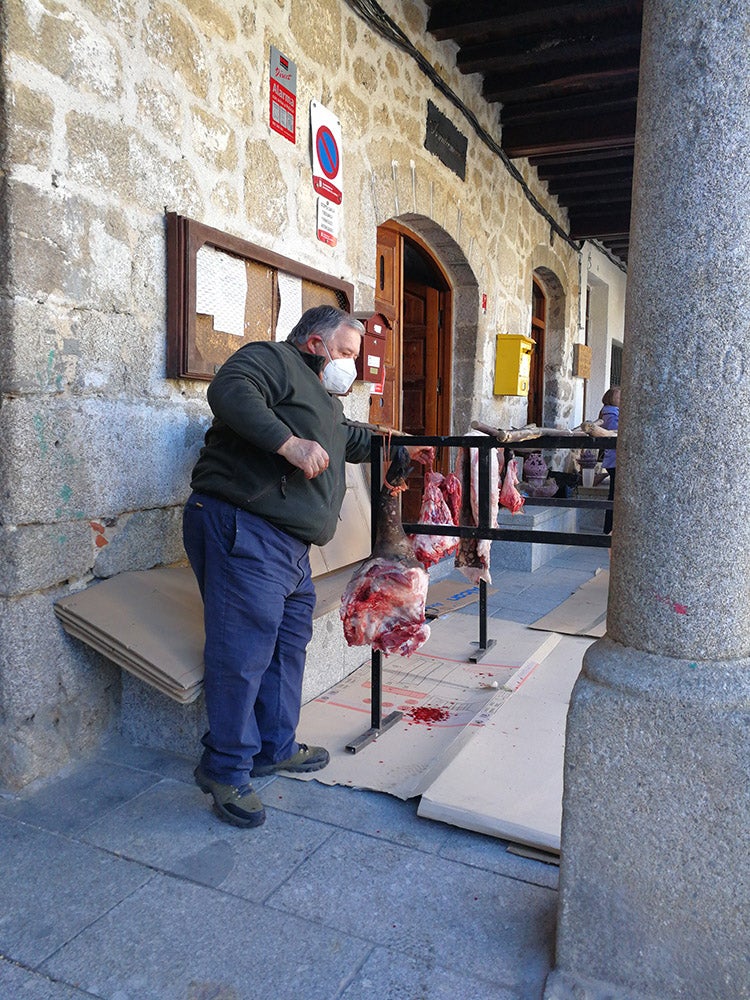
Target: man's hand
(422,453)
(306,455)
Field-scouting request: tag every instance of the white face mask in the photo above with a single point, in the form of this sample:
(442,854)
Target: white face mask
(339,374)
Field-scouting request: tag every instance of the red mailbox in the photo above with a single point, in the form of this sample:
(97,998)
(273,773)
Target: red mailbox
(371,360)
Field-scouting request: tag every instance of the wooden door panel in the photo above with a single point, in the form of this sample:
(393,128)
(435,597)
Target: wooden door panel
(414,410)
(414,360)
(388,274)
(535,408)
(386,409)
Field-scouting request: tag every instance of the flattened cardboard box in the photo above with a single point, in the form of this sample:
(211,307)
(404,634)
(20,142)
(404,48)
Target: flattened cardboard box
(450,595)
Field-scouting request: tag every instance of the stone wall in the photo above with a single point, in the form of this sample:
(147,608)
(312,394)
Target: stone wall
(115,111)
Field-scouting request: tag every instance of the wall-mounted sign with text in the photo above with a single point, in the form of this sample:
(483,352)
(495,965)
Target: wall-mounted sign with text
(328,222)
(283,110)
(444,140)
(325,131)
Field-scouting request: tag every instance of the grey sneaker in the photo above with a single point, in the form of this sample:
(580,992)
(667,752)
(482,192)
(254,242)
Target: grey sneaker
(238,806)
(306,759)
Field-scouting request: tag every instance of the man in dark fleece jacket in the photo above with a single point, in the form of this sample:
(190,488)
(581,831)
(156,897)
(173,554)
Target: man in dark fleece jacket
(269,482)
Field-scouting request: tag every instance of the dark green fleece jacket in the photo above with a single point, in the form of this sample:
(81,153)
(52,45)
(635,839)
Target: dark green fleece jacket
(262,395)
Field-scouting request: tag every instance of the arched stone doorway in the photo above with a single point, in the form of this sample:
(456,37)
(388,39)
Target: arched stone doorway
(424,286)
(424,250)
(557,404)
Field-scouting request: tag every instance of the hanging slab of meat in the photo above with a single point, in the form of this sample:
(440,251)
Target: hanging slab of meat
(441,497)
(473,555)
(383,604)
(510,498)
(450,487)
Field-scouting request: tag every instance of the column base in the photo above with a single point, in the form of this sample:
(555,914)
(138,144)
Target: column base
(654,896)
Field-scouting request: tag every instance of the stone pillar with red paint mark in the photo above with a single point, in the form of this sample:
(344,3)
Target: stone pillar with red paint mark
(656,809)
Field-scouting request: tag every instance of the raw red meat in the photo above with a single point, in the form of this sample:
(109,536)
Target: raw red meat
(473,555)
(383,604)
(450,487)
(509,495)
(430,549)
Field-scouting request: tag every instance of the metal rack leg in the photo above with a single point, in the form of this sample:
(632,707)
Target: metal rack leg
(378,723)
(484,645)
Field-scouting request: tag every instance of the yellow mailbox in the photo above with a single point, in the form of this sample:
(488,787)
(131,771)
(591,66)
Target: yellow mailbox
(512,364)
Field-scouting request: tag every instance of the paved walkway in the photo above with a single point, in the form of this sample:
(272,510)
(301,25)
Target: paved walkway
(117,882)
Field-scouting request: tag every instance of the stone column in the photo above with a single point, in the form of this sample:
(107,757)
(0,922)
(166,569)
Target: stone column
(654,897)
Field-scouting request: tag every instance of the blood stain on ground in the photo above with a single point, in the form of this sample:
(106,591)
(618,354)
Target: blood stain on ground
(427,714)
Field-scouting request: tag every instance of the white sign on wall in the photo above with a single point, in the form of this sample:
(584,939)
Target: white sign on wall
(328,222)
(325,129)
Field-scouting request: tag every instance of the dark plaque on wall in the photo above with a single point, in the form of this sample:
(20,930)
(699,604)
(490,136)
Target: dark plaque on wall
(444,140)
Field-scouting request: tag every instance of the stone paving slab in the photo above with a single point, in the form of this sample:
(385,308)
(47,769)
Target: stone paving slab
(72,800)
(172,828)
(490,853)
(161,762)
(522,608)
(52,888)
(391,819)
(391,975)
(372,813)
(173,940)
(17,983)
(472,921)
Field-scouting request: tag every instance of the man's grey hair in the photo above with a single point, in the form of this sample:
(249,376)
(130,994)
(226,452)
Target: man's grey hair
(322,321)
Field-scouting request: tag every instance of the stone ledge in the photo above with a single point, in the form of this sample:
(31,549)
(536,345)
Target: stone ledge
(529,556)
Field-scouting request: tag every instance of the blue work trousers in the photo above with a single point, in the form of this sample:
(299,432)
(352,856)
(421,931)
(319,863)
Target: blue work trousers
(258,601)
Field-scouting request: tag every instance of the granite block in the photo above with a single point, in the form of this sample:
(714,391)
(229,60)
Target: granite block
(172,827)
(480,923)
(53,888)
(213,944)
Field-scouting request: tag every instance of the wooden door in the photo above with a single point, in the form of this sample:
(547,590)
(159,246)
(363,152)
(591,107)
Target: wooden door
(385,409)
(418,354)
(536,375)
(420,359)
(420,376)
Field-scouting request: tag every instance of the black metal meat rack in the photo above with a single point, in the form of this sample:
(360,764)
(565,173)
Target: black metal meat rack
(483,530)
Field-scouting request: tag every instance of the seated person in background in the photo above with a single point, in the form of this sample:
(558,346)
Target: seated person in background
(609,416)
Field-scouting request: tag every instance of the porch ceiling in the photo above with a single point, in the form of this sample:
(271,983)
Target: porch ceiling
(565,77)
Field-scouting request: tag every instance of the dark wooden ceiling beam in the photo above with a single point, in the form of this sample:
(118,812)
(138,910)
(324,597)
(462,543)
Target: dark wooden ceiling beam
(590,156)
(569,194)
(458,20)
(550,50)
(603,225)
(616,197)
(585,169)
(611,100)
(543,82)
(579,133)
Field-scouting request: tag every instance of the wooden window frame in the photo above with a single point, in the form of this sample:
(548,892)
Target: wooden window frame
(184,238)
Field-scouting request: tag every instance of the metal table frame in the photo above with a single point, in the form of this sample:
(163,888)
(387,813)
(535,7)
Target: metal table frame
(482,530)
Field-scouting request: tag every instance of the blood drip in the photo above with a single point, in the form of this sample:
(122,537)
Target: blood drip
(427,715)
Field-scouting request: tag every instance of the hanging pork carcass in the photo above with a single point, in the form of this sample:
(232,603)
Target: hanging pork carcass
(473,555)
(441,504)
(383,605)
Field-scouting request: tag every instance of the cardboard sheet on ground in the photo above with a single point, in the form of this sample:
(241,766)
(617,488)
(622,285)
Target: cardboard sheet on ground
(507,781)
(450,595)
(584,613)
(404,760)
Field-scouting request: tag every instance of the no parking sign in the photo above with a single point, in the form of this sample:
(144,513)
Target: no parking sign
(325,130)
